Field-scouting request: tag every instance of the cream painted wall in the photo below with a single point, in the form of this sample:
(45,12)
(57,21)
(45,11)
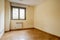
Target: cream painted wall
(7,15)
(28,23)
(2,11)
(47,16)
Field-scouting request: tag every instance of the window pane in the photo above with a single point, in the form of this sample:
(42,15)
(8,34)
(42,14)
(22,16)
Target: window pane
(22,13)
(15,13)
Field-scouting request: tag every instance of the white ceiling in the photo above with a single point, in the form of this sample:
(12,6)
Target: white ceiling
(27,2)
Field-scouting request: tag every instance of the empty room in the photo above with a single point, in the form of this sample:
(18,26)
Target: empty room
(29,19)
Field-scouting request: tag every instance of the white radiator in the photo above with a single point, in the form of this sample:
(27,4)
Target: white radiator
(19,25)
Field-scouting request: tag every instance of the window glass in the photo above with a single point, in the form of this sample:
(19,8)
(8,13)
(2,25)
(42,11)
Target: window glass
(15,13)
(22,13)
(18,13)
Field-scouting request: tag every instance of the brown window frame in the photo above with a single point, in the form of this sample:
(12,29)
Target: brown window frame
(18,12)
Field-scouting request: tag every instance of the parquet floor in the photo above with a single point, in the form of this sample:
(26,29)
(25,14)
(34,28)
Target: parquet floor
(29,34)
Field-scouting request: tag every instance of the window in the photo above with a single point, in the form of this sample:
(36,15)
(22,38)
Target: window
(18,13)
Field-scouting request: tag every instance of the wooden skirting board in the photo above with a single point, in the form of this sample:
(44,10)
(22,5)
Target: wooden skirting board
(19,29)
